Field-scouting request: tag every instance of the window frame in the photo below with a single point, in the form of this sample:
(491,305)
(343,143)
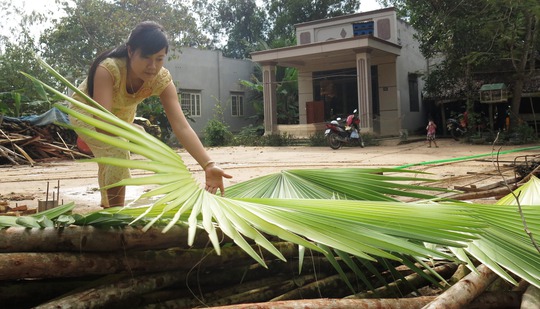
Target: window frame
(195,108)
(237,104)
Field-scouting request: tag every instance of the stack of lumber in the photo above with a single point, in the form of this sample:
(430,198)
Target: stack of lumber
(22,143)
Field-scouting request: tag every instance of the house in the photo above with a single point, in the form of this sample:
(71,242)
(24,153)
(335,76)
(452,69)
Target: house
(367,61)
(205,80)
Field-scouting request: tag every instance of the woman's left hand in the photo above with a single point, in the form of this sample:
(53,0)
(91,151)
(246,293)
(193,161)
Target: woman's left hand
(214,179)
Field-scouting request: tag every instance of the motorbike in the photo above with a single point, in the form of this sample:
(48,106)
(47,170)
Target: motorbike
(339,132)
(456,128)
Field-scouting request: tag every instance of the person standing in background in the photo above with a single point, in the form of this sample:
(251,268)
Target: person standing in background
(431,129)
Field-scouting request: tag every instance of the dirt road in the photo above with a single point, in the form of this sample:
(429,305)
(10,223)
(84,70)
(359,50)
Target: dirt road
(26,185)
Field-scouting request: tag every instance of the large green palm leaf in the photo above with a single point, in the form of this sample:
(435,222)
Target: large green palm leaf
(365,229)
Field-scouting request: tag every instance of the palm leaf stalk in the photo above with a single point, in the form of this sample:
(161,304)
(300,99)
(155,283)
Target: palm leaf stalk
(364,229)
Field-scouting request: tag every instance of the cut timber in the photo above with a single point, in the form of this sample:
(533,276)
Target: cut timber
(15,266)
(483,194)
(465,291)
(326,303)
(112,293)
(94,239)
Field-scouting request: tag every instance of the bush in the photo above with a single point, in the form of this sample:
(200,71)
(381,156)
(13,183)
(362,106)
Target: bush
(318,139)
(216,133)
(284,139)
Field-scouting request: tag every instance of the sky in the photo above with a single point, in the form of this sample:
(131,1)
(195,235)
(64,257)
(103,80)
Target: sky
(46,5)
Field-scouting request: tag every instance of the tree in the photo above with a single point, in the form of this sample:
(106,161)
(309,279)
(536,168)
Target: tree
(18,96)
(475,39)
(240,22)
(91,27)
(283,15)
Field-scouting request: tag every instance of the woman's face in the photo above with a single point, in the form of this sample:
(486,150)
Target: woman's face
(146,67)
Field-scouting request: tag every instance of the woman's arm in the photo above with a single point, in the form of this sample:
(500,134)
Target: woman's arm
(190,141)
(103,88)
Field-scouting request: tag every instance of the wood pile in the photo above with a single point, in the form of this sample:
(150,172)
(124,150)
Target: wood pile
(91,267)
(22,143)
(523,168)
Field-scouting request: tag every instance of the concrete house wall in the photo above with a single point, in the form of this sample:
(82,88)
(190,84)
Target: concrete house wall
(409,64)
(215,77)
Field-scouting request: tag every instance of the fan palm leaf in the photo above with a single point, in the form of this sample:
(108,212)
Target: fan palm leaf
(313,212)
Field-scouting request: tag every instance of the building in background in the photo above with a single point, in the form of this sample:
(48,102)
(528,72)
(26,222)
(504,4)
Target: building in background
(367,61)
(204,80)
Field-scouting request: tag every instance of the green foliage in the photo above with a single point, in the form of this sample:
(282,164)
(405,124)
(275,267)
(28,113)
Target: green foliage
(253,136)
(522,134)
(241,21)
(152,109)
(284,14)
(276,140)
(91,27)
(20,96)
(216,131)
(477,40)
(318,139)
(370,139)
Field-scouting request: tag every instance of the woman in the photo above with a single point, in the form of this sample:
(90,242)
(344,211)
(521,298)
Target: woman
(120,79)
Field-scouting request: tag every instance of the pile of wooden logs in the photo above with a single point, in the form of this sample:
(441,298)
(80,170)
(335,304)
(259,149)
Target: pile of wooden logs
(23,143)
(89,267)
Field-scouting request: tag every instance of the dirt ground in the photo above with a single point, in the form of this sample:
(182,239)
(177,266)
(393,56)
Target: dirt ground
(25,185)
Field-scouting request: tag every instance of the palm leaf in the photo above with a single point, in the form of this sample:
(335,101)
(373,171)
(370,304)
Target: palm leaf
(334,183)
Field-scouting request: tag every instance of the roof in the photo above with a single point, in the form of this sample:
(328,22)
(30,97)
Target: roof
(498,86)
(336,53)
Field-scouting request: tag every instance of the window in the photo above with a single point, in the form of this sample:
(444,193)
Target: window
(191,103)
(237,104)
(413,93)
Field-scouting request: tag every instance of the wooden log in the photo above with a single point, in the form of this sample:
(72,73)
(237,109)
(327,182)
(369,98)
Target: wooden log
(332,286)
(484,301)
(465,291)
(259,294)
(403,287)
(332,303)
(95,239)
(6,153)
(531,298)
(109,294)
(65,265)
(483,194)
(15,294)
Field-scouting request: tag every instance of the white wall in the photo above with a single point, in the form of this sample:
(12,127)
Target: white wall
(410,61)
(215,77)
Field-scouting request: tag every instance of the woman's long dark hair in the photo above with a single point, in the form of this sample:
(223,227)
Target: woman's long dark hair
(149,36)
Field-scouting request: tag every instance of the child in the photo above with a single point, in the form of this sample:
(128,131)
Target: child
(431,128)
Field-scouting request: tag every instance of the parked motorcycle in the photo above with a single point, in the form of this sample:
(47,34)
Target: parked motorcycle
(339,132)
(456,128)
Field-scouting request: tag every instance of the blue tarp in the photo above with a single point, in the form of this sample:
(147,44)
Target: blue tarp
(51,116)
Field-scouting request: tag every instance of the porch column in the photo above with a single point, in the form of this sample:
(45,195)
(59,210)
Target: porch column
(305,93)
(363,71)
(269,98)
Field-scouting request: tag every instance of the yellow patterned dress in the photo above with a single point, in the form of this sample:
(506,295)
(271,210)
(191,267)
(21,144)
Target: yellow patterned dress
(124,107)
